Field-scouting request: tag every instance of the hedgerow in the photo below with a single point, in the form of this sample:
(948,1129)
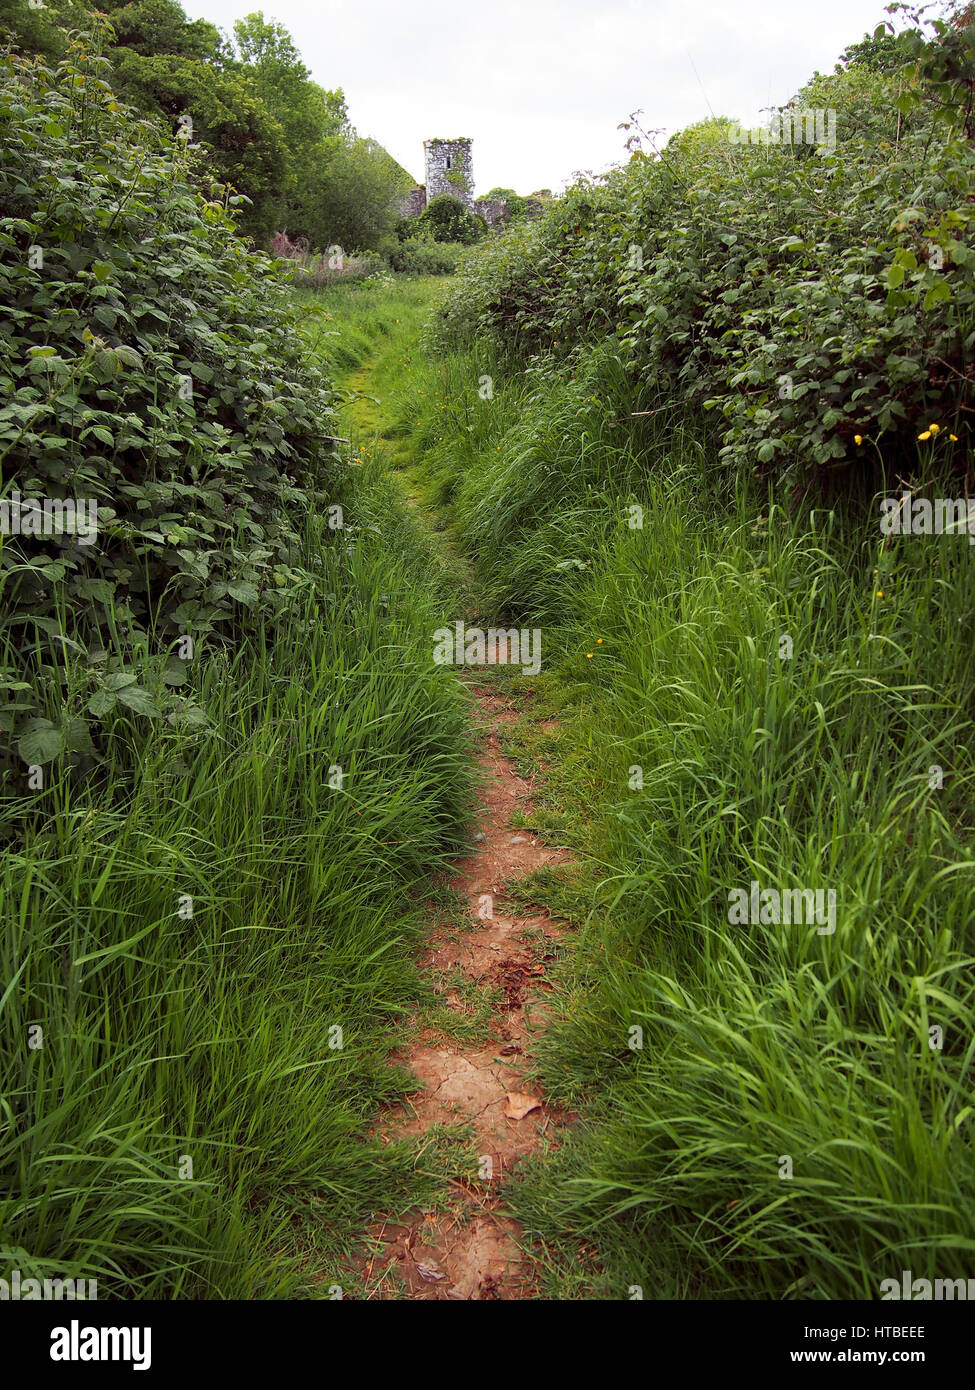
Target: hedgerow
(151,363)
(820,300)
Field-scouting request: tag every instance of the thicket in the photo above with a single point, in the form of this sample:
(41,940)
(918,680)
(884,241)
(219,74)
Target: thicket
(818,302)
(151,363)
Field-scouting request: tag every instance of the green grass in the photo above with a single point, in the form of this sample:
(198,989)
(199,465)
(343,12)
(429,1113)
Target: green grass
(165,1035)
(187,1128)
(760,1043)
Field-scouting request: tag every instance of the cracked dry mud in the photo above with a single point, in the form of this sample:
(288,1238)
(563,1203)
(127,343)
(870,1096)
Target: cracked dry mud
(470,1250)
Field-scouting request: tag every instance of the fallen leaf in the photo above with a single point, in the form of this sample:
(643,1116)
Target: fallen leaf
(428,1271)
(517,1105)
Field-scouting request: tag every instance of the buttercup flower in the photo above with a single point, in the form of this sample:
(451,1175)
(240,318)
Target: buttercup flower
(925,435)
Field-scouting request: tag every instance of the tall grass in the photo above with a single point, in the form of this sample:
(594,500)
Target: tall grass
(188,927)
(351,324)
(786,1124)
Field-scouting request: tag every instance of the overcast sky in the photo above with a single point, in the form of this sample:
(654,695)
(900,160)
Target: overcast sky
(541,85)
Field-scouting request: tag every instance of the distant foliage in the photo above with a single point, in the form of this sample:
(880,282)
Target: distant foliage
(248,107)
(150,362)
(446,219)
(418,257)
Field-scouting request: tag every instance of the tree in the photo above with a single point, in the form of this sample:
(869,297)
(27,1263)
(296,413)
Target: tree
(877,52)
(448,220)
(249,109)
(351,201)
(308,114)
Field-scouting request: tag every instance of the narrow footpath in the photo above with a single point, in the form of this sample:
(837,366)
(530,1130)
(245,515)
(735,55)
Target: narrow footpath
(468,1246)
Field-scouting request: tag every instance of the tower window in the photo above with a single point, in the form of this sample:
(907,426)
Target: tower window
(448,161)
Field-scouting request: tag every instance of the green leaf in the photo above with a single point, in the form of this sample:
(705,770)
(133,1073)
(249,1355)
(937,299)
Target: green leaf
(937,293)
(128,355)
(101,703)
(139,700)
(77,735)
(40,742)
(174,672)
(243,593)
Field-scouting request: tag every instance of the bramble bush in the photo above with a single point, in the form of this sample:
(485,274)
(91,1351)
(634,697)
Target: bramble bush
(418,257)
(812,298)
(151,362)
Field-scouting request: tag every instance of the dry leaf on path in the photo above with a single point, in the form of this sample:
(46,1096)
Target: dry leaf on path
(428,1271)
(517,1105)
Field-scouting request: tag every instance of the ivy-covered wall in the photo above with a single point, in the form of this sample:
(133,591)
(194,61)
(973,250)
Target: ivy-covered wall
(450,170)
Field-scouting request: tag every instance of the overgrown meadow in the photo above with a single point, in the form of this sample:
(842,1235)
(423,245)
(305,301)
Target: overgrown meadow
(657,423)
(703,375)
(230,769)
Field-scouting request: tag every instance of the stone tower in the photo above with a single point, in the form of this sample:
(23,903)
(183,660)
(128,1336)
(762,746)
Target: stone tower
(450,170)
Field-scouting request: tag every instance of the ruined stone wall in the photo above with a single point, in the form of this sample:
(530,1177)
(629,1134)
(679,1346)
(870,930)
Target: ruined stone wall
(414,202)
(493,210)
(461,166)
(450,170)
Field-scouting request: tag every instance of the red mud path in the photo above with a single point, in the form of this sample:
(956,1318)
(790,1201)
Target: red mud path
(470,1250)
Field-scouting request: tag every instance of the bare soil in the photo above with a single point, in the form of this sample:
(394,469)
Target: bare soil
(470,1250)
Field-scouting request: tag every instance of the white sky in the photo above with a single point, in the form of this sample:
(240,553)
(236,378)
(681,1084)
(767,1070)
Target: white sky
(541,85)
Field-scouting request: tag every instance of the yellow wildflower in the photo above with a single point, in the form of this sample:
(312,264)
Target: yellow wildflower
(925,435)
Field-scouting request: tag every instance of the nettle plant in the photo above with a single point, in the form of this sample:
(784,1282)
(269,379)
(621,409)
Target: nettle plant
(149,361)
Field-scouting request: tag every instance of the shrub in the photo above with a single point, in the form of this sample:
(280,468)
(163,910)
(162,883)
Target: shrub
(426,258)
(812,298)
(151,363)
(447,220)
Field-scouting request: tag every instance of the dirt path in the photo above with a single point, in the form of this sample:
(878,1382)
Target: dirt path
(470,1250)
